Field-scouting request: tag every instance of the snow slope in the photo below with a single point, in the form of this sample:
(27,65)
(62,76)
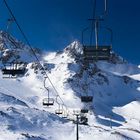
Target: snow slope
(114,113)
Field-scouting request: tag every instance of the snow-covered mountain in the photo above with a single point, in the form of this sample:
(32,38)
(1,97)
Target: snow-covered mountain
(11,49)
(114,85)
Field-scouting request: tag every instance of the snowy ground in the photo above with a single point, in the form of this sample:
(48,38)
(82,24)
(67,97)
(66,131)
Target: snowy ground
(114,113)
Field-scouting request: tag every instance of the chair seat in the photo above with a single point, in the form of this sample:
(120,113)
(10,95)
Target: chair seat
(92,53)
(86,98)
(48,101)
(84,110)
(59,112)
(13,71)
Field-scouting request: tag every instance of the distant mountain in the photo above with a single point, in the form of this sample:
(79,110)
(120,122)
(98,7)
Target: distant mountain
(11,49)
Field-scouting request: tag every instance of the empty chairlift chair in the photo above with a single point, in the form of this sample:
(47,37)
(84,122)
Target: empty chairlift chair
(60,109)
(96,51)
(65,114)
(12,70)
(84,110)
(86,99)
(47,101)
(91,53)
(83,120)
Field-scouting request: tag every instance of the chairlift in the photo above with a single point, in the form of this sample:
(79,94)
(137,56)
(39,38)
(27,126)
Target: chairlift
(60,109)
(83,120)
(65,116)
(86,99)
(76,112)
(65,113)
(47,101)
(84,110)
(12,70)
(94,52)
(91,53)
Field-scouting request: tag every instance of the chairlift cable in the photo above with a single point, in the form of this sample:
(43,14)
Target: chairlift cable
(27,41)
(92,23)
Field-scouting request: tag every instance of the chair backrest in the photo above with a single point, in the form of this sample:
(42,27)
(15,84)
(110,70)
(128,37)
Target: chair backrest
(84,110)
(101,53)
(48,101)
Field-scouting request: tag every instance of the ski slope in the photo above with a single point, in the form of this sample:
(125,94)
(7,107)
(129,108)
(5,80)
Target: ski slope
(114,113)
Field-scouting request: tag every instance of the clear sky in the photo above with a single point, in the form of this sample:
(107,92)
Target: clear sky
(53,24)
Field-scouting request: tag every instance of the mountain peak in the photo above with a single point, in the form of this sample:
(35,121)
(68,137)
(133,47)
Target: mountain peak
(115,95)
(74,49)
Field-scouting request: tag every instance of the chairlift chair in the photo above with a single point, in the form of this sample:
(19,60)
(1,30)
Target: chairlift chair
(48,101)
(76,112)
(86,99)
(94,52)
(65,116)
(97,52)
(12,70)
(91,53)
(83,120)
(65,113)
(60,109)
(84,110)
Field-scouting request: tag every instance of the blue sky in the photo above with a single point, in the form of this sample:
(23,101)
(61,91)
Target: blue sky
(53,24)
